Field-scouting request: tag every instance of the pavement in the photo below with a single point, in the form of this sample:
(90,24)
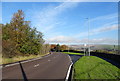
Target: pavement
(52,66)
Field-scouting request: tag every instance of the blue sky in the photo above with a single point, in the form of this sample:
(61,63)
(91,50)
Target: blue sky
(65,22)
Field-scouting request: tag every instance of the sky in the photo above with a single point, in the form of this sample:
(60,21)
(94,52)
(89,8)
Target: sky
(68,22)
(60,0)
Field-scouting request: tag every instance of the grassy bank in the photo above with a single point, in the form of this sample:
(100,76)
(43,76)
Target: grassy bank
(73,53)
(19,58)
(91,67)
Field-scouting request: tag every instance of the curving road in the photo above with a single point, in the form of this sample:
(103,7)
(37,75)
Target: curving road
(52,66)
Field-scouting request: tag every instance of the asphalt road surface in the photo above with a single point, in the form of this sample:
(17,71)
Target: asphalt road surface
(74,58)
(53,66)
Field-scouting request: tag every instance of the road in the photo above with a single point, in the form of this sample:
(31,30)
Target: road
(74,58)
(53,66)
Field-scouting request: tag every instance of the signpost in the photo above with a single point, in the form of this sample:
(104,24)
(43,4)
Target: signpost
(84,49)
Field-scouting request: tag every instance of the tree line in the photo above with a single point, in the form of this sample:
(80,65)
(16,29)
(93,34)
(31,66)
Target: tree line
(58,48)
(19,38)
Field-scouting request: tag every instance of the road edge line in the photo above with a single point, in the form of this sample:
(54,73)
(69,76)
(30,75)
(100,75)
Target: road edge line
(70,67)
(24,61)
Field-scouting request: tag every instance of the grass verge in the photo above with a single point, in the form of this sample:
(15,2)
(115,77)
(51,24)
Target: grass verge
(73,53)
(19,58)
(91,67)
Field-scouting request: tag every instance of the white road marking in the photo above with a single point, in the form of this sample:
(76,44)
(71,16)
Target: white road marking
(11,64)
(68,73)
(26,61)
(47,55)
(36,65)
(49,60)
(1,67)
(70,59)
(31,60)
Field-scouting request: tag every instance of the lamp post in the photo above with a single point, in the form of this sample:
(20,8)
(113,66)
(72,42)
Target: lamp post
(88,35)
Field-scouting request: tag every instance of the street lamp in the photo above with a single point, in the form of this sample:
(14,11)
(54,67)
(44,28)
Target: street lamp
(88,35)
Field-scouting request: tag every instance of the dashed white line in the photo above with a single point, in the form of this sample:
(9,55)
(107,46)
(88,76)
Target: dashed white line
(36,65)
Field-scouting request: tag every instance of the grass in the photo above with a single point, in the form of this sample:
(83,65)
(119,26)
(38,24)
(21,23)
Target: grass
(91,67)
(19,58)
(73,53)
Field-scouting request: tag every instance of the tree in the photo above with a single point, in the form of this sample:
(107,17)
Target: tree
(52,47)
(45,49)
(63,47)
(19,38)
(57,48)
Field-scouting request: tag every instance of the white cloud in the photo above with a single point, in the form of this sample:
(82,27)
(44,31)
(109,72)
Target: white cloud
(104,41)
(103,29)
(97,31)
(72,40)
(46,19)
(110,23)
(105,17)
(62,39)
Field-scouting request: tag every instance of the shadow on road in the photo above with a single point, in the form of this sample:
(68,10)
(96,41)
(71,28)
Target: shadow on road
(23,72)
